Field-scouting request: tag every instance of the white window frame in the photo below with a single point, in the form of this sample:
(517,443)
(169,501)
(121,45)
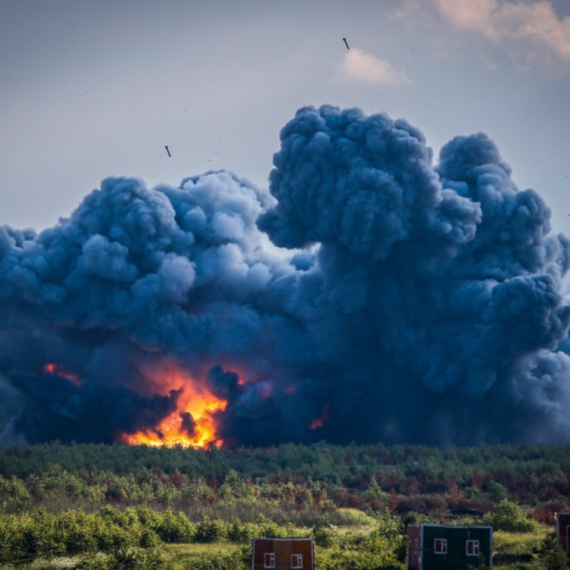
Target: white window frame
(475,545)
(269,560)
(296,561)
(443,542)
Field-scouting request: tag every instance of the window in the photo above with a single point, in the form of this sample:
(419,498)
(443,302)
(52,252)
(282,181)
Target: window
(296,561)
(440,546)
(472,548)
(269,560)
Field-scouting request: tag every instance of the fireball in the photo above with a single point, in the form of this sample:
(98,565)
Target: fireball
(192,424)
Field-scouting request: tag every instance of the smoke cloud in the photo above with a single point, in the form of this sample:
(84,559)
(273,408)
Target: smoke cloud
(371,295)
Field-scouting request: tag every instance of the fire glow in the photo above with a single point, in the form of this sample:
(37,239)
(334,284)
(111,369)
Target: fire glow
(53,368)
(321,420)
(192,424)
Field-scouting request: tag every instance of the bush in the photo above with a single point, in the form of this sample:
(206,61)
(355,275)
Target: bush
(131,559)
(323,534)
(551,556)
(497,492)
(137,559)
(355,560)
(209,531)
(240,533)
(267,528)
(508,517)
(175,527)
(115,540)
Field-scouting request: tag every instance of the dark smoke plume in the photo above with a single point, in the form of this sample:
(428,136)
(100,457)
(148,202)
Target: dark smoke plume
(409,302)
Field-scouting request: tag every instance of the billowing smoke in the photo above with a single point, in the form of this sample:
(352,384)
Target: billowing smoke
(399,301)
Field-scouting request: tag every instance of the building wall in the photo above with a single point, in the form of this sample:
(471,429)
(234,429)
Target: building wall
(283,548)
(414,546)
(456,557)
(562,522)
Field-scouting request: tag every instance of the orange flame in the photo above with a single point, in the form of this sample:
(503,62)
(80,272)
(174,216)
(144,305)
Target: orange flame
(53,368)
(197,401)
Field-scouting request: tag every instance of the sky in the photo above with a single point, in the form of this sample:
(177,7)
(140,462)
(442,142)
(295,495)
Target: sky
(92,89)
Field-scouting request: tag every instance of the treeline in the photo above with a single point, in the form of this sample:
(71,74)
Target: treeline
(319,461)
(289,477)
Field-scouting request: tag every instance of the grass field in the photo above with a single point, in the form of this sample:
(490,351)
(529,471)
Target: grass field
(178,555)
(511,552)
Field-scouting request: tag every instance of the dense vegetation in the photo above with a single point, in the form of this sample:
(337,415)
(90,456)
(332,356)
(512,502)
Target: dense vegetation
(118,506)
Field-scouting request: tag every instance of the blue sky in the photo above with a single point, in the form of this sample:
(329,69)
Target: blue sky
(91,89)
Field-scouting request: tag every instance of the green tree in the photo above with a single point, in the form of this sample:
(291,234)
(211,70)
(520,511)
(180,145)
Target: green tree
(551,555)
(209,531)
(507,516)
(323,534)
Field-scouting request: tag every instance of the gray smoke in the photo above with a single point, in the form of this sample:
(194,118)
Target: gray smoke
(408,302)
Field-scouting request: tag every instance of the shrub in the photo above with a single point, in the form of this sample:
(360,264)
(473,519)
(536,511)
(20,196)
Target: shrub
(267,528)
(323,534)
(239,532)
(508,517)
(209,531)
(551,556)
(175,527)
(355,560)
(497,492)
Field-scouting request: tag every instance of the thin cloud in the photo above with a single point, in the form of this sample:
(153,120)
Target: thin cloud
(536,26)
(364,67)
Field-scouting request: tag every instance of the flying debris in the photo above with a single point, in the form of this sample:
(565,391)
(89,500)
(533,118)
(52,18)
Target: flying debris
(166,147)
(345,43)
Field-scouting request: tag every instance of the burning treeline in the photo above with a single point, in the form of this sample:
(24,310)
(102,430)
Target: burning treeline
(408,302)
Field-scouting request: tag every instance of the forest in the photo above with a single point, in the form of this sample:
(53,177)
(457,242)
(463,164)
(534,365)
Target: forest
(117,506)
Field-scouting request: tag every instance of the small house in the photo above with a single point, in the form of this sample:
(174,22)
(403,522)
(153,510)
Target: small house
(283,554)
(563,530)
(432,546)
